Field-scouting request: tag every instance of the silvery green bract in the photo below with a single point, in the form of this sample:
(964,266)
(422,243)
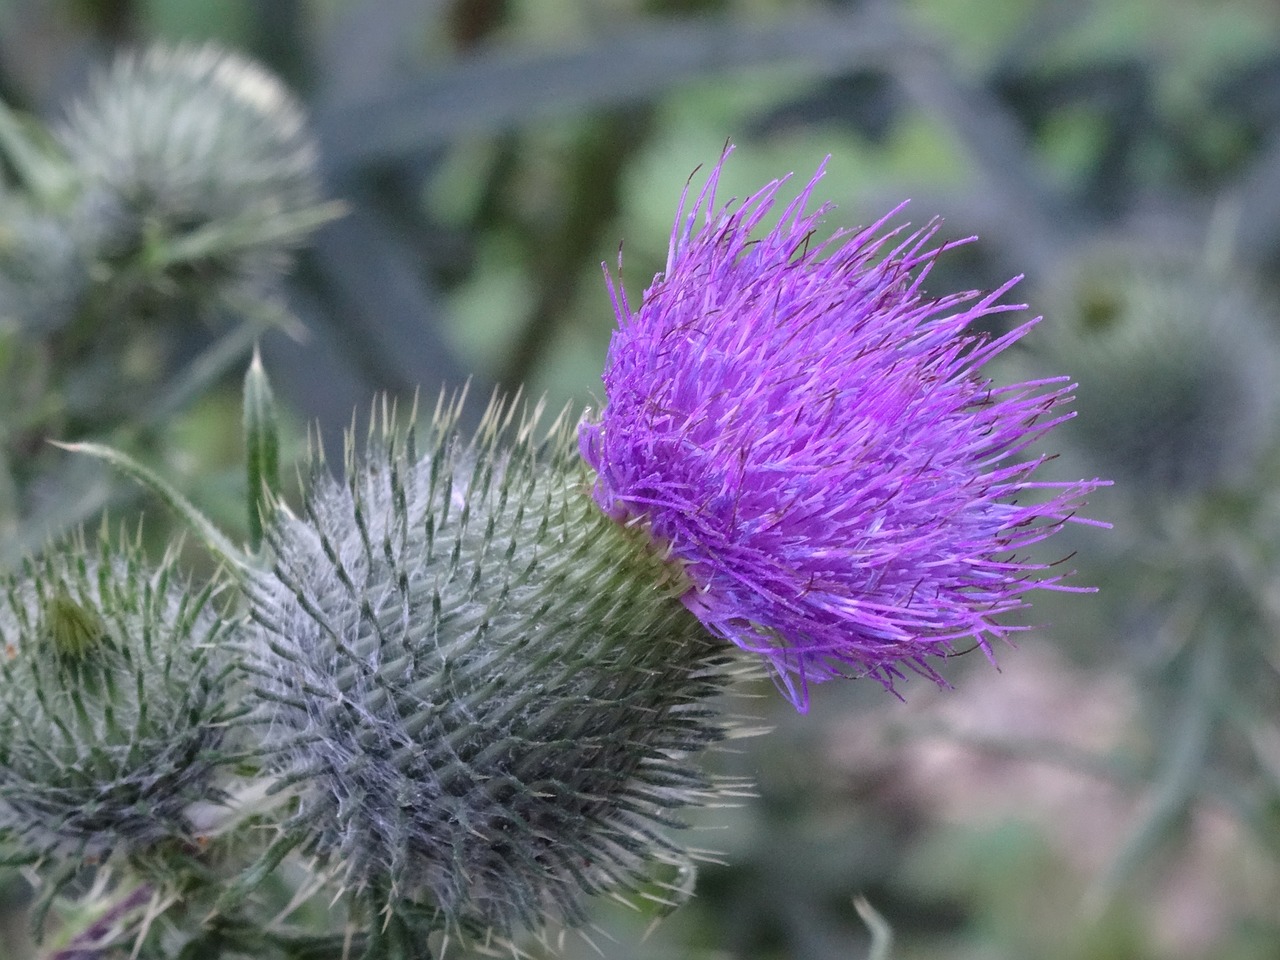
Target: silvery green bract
(484,692)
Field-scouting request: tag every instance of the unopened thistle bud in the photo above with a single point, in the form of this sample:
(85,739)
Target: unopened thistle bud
(194,156)
(1177,364)
(485,692)
(113,702)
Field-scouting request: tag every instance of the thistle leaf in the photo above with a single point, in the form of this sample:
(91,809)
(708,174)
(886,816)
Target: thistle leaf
(877,926)
(262,443)
(40,167)
(213,538)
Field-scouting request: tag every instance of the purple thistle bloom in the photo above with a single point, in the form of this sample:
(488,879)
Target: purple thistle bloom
(810,436)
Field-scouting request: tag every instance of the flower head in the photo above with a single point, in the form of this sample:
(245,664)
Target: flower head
(483,690)
(115,701)
(200,149)
(812,437)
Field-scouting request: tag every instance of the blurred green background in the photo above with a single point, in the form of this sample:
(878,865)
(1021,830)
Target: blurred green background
(1114,790)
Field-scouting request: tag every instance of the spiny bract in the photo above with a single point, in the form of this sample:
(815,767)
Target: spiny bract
(485,692)
(114,701)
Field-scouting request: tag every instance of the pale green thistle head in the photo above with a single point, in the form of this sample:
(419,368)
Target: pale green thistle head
(485,693)
(197,158)
(114,701)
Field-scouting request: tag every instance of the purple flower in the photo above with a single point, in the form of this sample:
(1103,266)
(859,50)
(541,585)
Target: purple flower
(811,437)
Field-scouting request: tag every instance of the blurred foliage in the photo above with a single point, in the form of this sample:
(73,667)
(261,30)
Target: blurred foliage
(1115,792)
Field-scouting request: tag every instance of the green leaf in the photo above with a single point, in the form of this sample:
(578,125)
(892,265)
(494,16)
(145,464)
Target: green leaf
(262,443)
(1182,774)
(213,538)
(881,932)
(248,232)
(496,91)
(39,165)
(221,356)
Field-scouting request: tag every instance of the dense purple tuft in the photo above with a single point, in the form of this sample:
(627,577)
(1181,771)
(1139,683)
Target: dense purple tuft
(812,437)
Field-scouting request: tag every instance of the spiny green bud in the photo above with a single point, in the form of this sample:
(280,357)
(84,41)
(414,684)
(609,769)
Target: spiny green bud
(194,156)
(1174,363)
(485,692)
(113,701)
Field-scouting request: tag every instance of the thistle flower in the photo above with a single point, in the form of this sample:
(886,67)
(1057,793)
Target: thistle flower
(113,702)
(811,437)
(483,691)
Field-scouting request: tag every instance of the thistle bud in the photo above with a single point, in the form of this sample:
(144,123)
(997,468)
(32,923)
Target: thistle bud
(485,692)
(1175,365)
(194,155)
(113,701)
